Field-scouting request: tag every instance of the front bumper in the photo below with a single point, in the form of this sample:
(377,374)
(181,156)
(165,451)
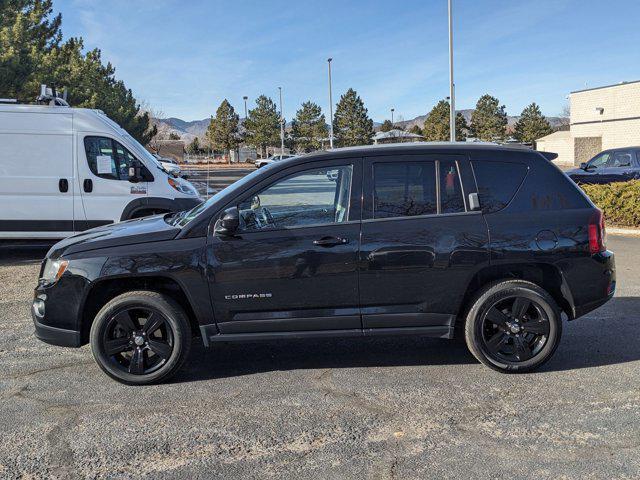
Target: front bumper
(56,336)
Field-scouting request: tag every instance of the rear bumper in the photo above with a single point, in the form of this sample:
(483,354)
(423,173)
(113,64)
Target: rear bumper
(602,284)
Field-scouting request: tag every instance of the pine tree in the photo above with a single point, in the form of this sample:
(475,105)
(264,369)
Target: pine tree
(174,136)
(386,126)
(489,119)
(32,53)
(351,124)
(194,147)
(531,125)
(436,126)
(223,129)
(416,129)
(309,127)
(263,124)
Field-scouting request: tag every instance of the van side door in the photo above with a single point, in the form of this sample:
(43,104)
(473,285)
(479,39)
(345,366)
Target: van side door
(103,167)
(420,244)
(36,166)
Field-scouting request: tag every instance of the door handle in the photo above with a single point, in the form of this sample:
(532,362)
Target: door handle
(63,185)
(88,185)
(330,241)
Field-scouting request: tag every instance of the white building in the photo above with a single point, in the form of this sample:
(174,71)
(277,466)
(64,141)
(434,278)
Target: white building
(601,118)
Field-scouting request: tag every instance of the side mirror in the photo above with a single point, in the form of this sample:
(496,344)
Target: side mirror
(228,224)
(583,165)
(134,173)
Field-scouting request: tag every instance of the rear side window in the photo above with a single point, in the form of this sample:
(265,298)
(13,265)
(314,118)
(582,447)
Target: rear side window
(497,183)
(408,189)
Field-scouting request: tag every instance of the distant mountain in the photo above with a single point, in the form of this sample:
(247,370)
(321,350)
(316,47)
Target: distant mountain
(187,131)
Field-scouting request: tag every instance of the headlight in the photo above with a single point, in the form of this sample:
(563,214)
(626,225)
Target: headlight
(182,187)
(53,270)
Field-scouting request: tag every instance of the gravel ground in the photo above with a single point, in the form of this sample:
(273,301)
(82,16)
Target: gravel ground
(376,408)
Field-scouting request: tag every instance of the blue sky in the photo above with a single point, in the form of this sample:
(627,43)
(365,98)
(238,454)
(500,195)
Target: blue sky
(185,57)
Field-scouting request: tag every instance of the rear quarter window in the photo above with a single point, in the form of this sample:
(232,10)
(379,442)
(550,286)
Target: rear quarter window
(524,182)
(497,182)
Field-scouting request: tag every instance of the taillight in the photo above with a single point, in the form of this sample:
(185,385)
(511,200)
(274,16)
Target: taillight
(597,233)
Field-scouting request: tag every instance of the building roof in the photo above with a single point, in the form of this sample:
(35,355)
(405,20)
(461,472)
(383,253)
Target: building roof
(558,135)
(620,84)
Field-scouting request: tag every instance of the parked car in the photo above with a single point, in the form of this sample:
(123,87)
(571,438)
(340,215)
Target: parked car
(615,165)
(261,162)
(65,170)
(484,242)
(168,164)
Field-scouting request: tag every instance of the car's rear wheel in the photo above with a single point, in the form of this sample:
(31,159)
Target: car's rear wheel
(513,326)
(140,337)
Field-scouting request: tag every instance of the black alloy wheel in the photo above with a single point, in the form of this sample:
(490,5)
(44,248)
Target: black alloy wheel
(140,337)
(138,340)
(513,326)
(514,329)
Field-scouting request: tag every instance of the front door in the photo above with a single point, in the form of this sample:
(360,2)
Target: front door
(103,166)
(420,244)
(292,264)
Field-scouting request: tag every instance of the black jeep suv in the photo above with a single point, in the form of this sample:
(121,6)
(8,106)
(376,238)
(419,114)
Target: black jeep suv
(481,241)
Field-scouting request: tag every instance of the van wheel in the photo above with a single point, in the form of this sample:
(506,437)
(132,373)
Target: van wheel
(513,326)
(140,337)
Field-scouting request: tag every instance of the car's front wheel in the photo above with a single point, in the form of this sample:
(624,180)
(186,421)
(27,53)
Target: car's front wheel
(140,337)
(513,326)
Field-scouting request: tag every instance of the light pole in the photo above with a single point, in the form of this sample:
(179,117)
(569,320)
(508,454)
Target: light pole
(281,125)
(452,104)
(245,106)
(392,110)
(330,107)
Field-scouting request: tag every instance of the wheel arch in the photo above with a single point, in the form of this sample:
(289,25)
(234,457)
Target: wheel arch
(104,290)
(545,275)
(147,203)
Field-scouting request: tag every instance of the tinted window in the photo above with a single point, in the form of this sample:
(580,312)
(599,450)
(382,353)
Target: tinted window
(451,200)
(108,158)
(497,183)
(312,197)
(620,159)
(404,189)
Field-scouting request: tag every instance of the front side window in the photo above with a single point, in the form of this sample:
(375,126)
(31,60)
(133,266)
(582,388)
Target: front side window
(309,198)
(108,158)
(599,161)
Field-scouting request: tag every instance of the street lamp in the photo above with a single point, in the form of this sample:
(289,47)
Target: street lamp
(281,124)
(330,107)
(392,110)
(245,106)
(452,103)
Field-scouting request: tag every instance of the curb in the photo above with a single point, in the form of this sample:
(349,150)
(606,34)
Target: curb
(623,231)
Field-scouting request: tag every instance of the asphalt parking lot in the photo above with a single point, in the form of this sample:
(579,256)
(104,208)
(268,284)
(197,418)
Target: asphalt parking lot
(376,408)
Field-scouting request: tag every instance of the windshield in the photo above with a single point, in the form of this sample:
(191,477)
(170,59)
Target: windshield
(183,218)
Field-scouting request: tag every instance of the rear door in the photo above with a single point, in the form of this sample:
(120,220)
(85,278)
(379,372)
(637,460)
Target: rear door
(293,264)
(420,243)
(36,168)
(103,166)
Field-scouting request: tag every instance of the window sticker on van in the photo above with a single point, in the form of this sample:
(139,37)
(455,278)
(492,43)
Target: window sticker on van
(103,163)
(138,190)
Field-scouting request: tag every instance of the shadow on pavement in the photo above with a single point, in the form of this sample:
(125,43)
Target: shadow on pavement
(12,253)
(607,336)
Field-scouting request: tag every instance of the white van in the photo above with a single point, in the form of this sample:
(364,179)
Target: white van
(64,170)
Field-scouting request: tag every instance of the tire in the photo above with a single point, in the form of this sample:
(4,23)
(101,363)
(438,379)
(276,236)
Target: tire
(513,326)
(131,348)
(145,213)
